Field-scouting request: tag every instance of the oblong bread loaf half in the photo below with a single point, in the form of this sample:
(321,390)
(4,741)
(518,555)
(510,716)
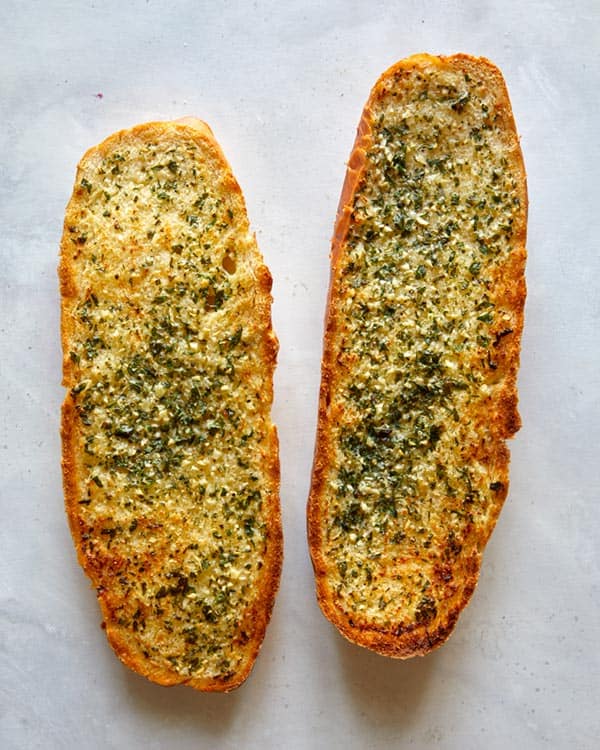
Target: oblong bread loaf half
(423,330)
(170,459)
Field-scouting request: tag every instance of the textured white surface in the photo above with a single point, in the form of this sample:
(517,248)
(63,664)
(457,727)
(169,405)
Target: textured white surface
(283,84)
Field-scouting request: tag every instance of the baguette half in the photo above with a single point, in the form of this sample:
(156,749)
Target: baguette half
(170,460)
(422,339)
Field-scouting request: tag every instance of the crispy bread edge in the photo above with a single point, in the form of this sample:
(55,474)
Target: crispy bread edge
(503,414)
(261,609)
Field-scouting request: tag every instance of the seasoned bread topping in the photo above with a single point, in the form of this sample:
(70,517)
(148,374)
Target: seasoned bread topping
(170,357)
(417,327)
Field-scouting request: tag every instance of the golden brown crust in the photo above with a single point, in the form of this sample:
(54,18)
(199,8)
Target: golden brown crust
(500,418)
(103,571)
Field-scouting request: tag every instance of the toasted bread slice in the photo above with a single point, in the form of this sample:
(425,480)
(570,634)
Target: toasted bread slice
(170,459)
(423,329)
